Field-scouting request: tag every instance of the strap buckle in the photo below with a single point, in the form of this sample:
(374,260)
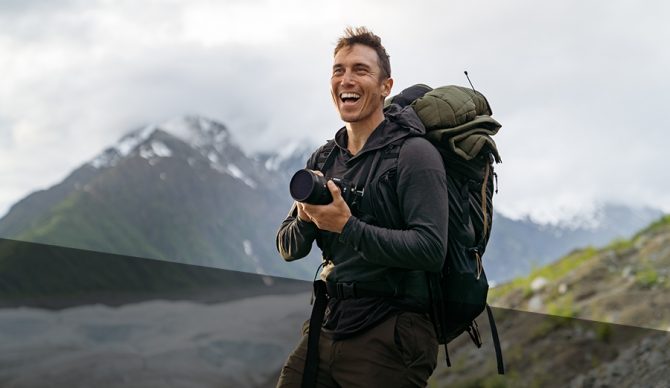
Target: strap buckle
(346,290)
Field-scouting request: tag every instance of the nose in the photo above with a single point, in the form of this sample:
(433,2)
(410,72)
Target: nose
(347,78)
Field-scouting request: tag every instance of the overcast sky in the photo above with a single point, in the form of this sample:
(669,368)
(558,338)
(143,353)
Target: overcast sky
(580,87)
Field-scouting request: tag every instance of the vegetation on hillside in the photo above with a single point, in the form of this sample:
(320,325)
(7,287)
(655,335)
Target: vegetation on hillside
(587,318)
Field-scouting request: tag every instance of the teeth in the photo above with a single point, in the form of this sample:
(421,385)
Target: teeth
(350,95)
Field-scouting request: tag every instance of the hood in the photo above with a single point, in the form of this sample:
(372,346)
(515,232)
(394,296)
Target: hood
(398,123)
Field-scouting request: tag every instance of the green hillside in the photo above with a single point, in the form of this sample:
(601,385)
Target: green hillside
(597,317)
(604,284)
(177,209)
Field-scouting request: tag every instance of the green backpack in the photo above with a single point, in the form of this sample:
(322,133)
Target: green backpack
(458,122)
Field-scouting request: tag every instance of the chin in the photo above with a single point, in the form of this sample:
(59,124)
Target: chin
(350,117)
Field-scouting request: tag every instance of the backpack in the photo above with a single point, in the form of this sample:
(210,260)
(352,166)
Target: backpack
(458,122)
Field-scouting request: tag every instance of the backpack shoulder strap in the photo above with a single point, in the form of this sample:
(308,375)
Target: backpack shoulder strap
(392,150)
(326,156)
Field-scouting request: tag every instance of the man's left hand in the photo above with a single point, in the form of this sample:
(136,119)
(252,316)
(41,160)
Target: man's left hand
(333,216)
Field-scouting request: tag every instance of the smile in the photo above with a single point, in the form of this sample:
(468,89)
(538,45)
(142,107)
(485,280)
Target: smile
(349,97)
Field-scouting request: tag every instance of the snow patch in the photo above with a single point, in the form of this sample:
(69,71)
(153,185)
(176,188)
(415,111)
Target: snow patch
(197,131)
(108,158)
(123,147)
(247,248)
(237,173)
(268,281)
(160,149)
(274,163)
(133,139)
(213,157)
(178,127)
(155,149)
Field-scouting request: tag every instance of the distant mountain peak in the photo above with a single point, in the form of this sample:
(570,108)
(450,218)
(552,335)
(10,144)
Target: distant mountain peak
(197,131)
(295,150)
(123,147)
(606,215)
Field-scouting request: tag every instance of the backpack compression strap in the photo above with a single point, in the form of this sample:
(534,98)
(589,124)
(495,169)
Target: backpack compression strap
(496,341)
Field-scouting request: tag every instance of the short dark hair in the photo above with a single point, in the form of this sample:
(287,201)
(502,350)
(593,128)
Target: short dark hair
(361,35)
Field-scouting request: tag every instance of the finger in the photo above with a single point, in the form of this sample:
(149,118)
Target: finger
(317,172)
(302,214)
(334,190)
(308,209)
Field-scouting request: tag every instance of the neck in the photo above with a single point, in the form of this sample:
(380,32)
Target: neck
(359,132)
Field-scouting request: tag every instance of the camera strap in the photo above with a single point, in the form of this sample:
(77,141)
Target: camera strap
(329,152)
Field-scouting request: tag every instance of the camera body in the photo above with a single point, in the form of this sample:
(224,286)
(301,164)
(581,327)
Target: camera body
(308,187)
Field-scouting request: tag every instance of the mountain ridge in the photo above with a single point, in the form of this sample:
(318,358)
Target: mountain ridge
(152,194)
(184,190)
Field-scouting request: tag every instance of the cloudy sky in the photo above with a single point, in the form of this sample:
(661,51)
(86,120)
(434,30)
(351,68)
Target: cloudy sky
(580,86)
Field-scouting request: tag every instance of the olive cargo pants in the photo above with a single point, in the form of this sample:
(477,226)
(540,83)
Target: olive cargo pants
(399,352)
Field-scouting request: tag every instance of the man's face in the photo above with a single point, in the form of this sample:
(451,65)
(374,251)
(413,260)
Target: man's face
(355,85)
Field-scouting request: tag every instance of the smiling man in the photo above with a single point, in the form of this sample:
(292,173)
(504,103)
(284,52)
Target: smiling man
(377,249)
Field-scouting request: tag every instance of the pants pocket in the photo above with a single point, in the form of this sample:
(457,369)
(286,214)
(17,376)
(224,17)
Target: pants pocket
(415,339)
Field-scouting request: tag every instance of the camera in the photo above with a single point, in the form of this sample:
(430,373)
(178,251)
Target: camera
(308,187)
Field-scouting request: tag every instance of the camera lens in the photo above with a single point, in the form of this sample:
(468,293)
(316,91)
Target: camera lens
(302,185)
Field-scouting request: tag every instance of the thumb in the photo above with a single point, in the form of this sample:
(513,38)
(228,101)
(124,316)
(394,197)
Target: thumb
(334,191)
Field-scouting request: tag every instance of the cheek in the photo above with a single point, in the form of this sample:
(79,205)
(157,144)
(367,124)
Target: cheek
(333,95)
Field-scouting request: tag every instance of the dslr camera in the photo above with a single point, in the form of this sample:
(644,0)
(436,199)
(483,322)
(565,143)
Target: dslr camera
(308,187)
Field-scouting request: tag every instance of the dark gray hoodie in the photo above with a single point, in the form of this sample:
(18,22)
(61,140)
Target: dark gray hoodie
(402,225)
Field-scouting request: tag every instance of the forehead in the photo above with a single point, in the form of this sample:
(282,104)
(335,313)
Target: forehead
(356,54)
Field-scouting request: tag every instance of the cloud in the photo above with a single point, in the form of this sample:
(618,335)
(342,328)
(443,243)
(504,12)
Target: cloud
(580,89)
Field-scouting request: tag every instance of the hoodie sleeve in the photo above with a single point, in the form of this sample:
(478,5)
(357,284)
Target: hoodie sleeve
(423,200)
(295,237)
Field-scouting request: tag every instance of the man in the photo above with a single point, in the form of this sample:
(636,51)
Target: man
(377,332)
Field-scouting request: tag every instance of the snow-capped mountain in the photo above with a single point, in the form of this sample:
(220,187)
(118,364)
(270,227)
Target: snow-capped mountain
(210,139)
(180,190)
(183,190)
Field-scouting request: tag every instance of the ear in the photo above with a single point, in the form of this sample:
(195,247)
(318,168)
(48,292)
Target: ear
(387,84)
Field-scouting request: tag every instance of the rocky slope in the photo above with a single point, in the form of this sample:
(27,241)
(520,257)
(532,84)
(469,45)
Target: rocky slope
(595,318)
